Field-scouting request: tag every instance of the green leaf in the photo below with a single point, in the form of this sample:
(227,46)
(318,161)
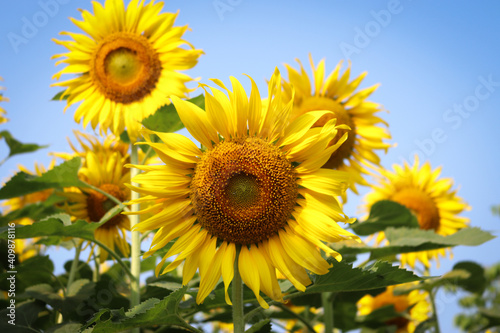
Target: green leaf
(199,101)
(79,292)
(385,214)
(25,278)
(17,147)
(379,317)
(65,328)
(263,326)
(148,313)
(54,227)
(492,316)
(63,175)
(404,240)
(59,96)
(166,119)
(36,211)
(476,281)
(409,237)
(26,314)
(343,277)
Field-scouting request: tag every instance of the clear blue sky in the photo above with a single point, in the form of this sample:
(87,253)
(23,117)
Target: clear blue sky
(431,58)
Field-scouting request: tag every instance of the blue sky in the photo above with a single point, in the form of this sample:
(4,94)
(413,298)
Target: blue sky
(437,63)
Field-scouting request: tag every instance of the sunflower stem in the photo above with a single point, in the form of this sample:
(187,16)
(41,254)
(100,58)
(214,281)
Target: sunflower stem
(327,302)
(237,288)
(135,255)
(74,265)
(432,295)
(97,261)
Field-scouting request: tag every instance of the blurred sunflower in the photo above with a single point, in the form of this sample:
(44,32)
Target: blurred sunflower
(350,108)
(89,143)
(431,199)
(127,63)
(414,307)
(256,185)
(2,111)
(104,171)
(26,248)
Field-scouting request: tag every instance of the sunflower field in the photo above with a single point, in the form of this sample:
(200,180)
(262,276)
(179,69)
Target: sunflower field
(224,204)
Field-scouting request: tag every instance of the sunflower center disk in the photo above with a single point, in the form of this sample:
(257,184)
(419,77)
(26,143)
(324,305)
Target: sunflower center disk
(126,67)
(343,118)
(421,204)
(98,204)
(243,191)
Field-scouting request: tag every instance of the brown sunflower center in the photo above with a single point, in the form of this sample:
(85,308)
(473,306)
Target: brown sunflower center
(339,157)
(126,67)
(421,204)
(98,204)
(243,191)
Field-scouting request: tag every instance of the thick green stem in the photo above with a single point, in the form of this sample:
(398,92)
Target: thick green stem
(135,255)
(327,302)
(74,264)
(237,288)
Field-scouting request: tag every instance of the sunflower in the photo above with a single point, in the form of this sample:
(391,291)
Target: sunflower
(104,171)
(26,248)
(91,143)
(255,188)
(127,64)
(430,198)
(415,303)
(350,108)
(2,111)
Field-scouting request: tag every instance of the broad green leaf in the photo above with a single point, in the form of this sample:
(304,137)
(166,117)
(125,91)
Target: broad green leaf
(343,277)
(410,237)
(54,227)
(166,119)
(199,101)
(476,281)
(404,240)
(25,278)
(63,175)
(27,313)
(148,313)
(385,214)
(78,293)
(16,147)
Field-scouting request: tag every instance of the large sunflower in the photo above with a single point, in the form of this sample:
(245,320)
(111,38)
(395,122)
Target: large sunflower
(104,171)
(350,108)
(2,111)
(415,303)
(256,185)
(432,200)
(127,65)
